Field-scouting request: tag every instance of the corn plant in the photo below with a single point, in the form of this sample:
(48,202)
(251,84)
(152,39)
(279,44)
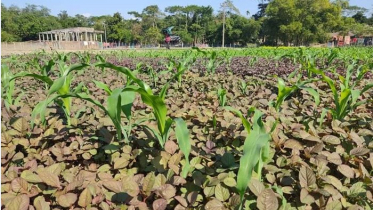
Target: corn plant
(227,59)
(116,105)
(155,101)
(305,59)
(255,150)
(184,63)
(153,75)
(222,96)
(183,139)
(53,96)
(346,99)
(212,62)
(253,61)
(284,91)
(8,87)
(243,86)
(126,102)
(61,85)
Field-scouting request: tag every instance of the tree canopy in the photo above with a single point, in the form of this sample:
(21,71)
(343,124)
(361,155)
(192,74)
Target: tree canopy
(298,22)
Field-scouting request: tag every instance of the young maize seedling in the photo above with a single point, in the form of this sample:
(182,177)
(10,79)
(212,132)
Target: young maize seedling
(61,86)
(346,99)
(255,151)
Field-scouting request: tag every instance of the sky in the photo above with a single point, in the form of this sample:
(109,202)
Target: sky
(109,7)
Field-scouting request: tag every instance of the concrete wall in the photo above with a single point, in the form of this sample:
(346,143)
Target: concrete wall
(26,47)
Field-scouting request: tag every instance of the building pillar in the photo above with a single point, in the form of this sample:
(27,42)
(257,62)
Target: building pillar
(101,37)
(86,39)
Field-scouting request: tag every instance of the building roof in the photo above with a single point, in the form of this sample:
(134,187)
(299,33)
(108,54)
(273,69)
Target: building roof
(73,30)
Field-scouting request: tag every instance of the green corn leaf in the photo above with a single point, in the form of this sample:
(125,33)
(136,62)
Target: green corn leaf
(183,139)
(103,86)
(154,132)
(45,79)
(366,88)
(167,131)
(17,100)
(114,110)
(86,97)
(355,95)
(245,123)
(156,102)
(47,68)
(313,93)
(57,85)
(283,93)
(253,148)
(127,72)
(323,114)
(343,103)
(163,91)
(79,88)
(127,102)
(40,108)
(78,66)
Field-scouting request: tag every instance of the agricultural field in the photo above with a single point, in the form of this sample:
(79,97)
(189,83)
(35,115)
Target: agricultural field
(256,128)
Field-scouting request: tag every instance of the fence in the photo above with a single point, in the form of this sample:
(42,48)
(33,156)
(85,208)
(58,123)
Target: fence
(21,47)
(24,47)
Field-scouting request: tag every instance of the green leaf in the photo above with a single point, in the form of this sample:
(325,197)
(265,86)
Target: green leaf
(357,189)
(41,204)
(39,109)
(245,123)
(127,102)
(253,147)
(221,193)
(103,86)
(45,79)
(57,85)
(78,66)
(313,93)
(129,73)
(228,160)
(183,139)
(121,163)
(114,110)
(230,182)
(283,92)
(156,102)
(148,183)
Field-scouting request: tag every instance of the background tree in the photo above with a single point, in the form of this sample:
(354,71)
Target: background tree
(302,21)
(227,5)
(289,22)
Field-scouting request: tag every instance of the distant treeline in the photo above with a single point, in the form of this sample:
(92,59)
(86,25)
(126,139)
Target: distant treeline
(299,22)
